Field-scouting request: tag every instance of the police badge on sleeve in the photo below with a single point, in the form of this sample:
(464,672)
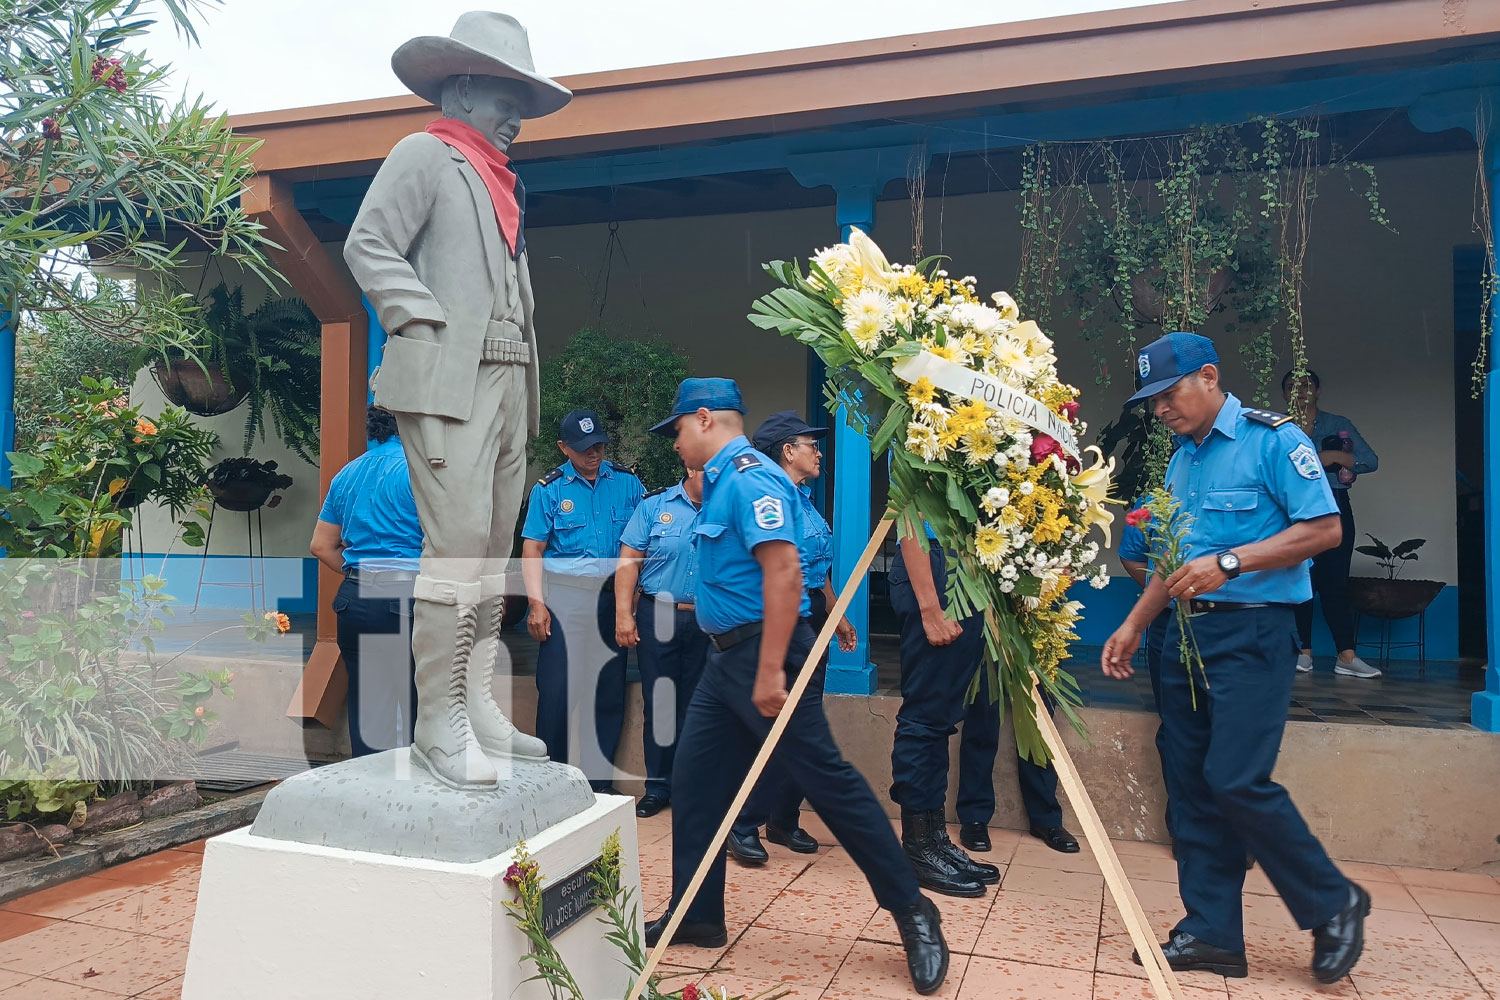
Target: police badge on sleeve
(1305,460)
(768,513)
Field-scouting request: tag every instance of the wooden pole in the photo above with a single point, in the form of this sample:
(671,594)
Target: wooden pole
(1163,979)
(804,677)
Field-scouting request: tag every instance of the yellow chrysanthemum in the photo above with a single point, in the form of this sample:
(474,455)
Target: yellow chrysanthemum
(989,545)
(921,391)
(1051,528)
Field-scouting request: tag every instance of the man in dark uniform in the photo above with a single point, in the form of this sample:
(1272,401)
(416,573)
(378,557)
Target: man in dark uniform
(752,604)
(657,559)
(1261,508)
(574,519)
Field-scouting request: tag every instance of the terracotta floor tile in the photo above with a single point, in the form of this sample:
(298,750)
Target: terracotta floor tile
(1147,868)
(686,956)
(1288,985)
(1454,903)
(145,912)
(59,944)
(1035,854)
(1107,987)
(47,989)
(1373,988)
(963,919)
(787,956)
(1461,881)
(1391,896)
(1160,900)
(738,985)
(872,969)
(1068,885)
(1406,947)
(151,869)
(802,911)
(1003,845)
(170,990)
(1257,884)
(180,931)
(1042,930)
(13,925)
(70,898)
(996,979)
(1478,947)
(128,969)
(9,979)
(1114,960)
(1142,848)
(1363,872)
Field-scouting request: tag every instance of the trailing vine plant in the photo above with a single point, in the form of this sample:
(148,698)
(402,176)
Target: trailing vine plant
(1479,371)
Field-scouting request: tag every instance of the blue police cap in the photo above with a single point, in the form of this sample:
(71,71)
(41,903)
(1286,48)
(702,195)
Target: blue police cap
(696,394)
(582,429)
(1163,362)
(783,426)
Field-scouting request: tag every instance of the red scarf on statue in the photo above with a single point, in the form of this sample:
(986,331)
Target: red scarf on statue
(492,166)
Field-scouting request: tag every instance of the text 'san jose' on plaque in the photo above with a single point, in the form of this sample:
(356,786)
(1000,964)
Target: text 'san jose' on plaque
(566,901)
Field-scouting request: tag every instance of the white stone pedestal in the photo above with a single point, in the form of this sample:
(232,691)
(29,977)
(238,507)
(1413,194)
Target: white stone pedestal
(279,920)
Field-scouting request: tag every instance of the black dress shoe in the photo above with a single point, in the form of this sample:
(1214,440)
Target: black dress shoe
(926,952)
(1337,944)
(797,839)
(1057,838)
(1249,861)
(747,849)
(975,836)
(986,873)
(651,805)
(699,935)
(1185,953)
(924,838)
(603,788)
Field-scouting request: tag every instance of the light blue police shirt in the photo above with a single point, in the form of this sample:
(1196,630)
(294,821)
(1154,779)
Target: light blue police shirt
(747,500)
(370,500)
(1328,425)
(816,548)
(1246,482)
(662,527)
(581,521)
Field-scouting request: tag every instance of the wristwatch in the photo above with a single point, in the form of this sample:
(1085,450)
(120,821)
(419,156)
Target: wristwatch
(1230,564)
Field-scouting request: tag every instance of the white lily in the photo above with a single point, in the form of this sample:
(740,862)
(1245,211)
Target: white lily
(1093,483)
(876,270)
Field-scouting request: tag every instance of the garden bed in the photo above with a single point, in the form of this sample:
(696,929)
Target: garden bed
(89,851)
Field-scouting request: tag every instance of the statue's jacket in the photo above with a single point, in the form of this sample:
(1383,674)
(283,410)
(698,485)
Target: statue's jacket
(426,247)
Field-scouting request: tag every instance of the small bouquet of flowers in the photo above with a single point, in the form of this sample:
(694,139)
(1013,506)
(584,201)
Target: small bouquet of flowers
(1165,525)
(983,442)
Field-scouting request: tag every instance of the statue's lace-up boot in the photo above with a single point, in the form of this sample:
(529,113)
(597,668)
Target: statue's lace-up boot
(496,734)
(443,742)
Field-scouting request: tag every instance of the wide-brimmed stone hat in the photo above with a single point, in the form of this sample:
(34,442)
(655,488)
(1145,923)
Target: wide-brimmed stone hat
(483,43)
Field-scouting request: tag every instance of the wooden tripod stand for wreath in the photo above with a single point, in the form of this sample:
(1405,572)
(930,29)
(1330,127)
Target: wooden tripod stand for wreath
(1163,980)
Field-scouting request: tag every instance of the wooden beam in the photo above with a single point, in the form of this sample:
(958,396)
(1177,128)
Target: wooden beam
(328,289)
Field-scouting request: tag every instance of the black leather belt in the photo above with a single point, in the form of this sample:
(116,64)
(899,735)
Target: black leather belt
(1204,607)
(728,640)
(380,575)
(679,605)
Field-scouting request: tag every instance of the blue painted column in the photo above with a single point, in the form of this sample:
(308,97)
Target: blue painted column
(375,347)
(1485,705)
(7,392)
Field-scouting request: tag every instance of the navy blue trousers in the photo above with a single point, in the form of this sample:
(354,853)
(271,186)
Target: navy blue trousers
(679,659)
(581,653)
(934,681)
(1156,634)
(776,799)
(977,749)
(382,698)
(1218,768)
(720,738)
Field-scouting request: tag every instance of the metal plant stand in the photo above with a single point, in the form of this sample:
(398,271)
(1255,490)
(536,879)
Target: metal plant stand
(255,548)
(1385,645)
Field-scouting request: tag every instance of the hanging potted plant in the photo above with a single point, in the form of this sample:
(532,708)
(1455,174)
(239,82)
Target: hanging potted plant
(1389,596)
(244,484)
(269,357)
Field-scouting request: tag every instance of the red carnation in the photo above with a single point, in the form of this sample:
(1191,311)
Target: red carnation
(51,130)
(690,992)
(513,875)
(1043,445)
(1138,517)
(1070,409)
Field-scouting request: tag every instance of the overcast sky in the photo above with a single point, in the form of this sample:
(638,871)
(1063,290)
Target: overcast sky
(261,55)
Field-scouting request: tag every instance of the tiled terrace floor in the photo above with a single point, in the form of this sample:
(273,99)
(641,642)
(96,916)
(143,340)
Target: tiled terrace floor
(1047,932)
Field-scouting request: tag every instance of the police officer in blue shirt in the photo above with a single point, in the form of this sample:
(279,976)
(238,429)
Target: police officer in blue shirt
(658,563)
(752,604)
(369,531)
(571,542)
(1261,509)
(792,443)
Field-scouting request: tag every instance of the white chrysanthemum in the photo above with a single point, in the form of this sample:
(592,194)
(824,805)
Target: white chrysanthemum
(1100,581)
(840,263)
(974,317)
(1009,571)
(922,440)
(1027,488)
(867,310)
(903,312)
(1010,354)
(1006,586)
(995,498)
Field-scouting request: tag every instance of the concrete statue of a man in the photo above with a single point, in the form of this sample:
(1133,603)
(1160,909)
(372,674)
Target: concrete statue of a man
(439,249)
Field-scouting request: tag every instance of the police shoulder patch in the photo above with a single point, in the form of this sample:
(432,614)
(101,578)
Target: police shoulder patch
(1305,461)
(1268,417)
(769,514)
(745,461)
(550,477)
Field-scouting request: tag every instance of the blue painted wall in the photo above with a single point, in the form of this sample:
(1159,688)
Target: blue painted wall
(291,584)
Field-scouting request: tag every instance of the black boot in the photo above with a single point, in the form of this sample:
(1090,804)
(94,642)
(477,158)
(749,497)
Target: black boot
(935,869)
(926,952)
(986,873)
(700,935)
(1338,944)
